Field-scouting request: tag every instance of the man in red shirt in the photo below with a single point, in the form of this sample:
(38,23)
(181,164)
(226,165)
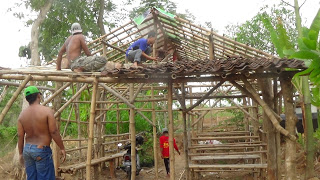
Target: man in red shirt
(164,148)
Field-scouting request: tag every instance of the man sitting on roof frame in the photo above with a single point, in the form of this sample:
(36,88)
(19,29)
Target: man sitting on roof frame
(73,47)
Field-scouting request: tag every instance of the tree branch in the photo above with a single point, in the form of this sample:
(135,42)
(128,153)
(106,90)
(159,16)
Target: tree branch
(287,3)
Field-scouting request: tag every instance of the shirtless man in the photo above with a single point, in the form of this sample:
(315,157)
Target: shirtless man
(37,126)
(73,47)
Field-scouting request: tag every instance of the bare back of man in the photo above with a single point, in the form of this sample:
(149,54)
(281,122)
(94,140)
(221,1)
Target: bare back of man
(73,47)
(36,124)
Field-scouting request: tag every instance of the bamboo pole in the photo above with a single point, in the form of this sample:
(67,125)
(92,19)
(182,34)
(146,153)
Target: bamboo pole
(266,109)
(91,123)
(77,116)
(58,112)
(211,47)
(7,83)
(207,111)
(205,96)
(126,102)
(133,136)
(3,93)
(154,129)
(56,93)
(171,132)
(69,118)
(55,148)
(156,78)
(14,97)
(185,132)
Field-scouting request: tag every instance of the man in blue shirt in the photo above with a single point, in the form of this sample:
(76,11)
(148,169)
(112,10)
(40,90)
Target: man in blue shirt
(139,51)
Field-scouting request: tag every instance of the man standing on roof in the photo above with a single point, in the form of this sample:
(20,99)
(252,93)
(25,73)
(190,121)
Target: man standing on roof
(73,46)
(139,51)
(164,149)
(37,126)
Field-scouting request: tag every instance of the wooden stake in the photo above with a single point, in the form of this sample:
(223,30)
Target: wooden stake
(91,123)
(14,97)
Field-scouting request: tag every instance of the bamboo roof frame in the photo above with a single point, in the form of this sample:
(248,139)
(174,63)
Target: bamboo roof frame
(195,42)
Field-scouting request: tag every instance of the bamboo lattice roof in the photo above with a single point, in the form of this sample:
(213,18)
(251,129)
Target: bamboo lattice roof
(201,52)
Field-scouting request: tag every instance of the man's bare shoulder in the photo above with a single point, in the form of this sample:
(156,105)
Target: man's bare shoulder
(47,109)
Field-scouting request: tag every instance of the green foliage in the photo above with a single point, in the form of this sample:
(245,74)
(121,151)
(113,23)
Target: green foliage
(257,31)
(25,51)
(144,5)
(8,138)
(309,52)
(301,141)
(146,153)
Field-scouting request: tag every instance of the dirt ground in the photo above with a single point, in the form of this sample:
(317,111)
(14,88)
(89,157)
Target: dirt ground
(7,173)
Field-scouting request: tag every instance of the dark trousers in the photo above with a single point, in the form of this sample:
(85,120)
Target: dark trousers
(167,164)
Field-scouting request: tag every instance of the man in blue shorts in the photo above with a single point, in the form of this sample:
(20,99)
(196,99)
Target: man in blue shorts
(139,51)
(37,127)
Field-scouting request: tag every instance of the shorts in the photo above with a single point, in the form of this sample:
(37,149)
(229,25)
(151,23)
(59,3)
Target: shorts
(38,162)
(89,63)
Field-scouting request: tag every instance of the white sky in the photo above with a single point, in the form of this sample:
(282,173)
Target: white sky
(220,12)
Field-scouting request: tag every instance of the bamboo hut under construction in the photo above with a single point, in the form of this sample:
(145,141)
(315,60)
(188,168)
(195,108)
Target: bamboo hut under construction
(195,58)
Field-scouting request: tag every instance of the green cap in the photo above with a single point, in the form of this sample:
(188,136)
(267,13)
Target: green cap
(30,90)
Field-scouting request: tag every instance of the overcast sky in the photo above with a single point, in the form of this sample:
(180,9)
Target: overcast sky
(219,12)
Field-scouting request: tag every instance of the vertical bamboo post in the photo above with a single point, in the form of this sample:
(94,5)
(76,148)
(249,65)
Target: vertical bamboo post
(192,120)
(118,131)
(171,131)
(91,123)
(14,97)
(185,133)
(133,135)
(104,50)
(55,148)
(155,45)
(154,128)
(211,48)
(246,117)
(77,116)
(267,93)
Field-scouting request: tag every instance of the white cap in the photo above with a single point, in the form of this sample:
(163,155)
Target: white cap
(76,28)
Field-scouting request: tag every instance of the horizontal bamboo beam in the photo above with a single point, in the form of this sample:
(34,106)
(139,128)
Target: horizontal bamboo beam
(18,84)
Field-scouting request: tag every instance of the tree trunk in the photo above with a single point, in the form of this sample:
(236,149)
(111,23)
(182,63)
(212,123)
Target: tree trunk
(35,57)
(100,17)
(307,116)
(306,107)
(271,133)
(291,120)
